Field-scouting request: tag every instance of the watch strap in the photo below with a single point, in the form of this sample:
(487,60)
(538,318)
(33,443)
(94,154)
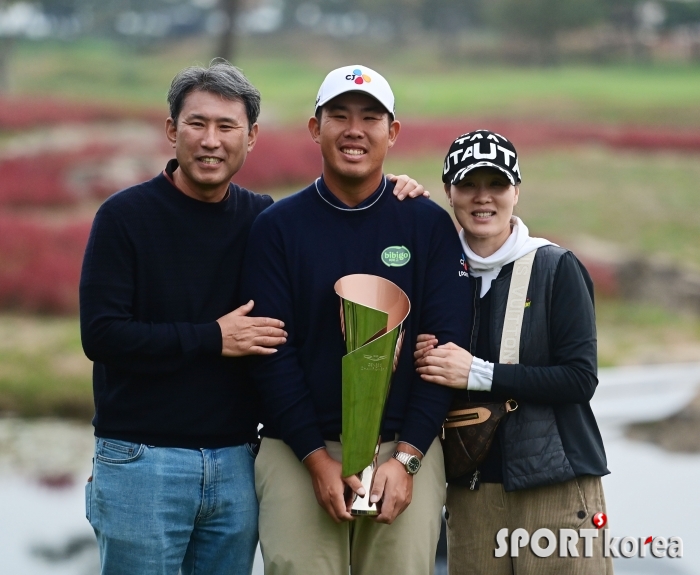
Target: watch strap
(409,461)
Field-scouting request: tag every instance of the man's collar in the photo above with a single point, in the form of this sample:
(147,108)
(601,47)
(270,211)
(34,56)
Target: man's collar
(173,165)
(170,168)
(330,198)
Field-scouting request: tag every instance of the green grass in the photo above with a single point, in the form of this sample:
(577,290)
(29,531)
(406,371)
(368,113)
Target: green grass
(617,94)
(289,71)
(638,333)
(43,371)
(645,202)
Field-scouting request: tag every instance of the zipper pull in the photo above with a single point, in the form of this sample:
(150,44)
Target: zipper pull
(474,484)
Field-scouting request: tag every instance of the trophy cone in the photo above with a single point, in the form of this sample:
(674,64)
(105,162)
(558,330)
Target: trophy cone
(372,312)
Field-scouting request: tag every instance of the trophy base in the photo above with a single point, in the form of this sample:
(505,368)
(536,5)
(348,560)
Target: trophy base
(363,513)
(361,506)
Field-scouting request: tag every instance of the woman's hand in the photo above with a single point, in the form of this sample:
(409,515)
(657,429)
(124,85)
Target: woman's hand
(447,364)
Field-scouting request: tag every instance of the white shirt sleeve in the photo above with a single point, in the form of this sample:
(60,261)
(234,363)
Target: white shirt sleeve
(480,375)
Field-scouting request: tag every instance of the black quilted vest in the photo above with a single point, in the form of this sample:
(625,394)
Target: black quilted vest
(533,453)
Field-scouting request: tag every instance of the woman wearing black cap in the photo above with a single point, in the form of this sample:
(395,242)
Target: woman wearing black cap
(533,342)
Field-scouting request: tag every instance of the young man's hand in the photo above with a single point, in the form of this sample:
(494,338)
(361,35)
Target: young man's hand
(243,335)
(393,487)
(407,187)
(330,486)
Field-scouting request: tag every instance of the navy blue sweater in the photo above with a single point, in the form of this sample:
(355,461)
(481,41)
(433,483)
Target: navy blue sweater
(297,250)
(160,268)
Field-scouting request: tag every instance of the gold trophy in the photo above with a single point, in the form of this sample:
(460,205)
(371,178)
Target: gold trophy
(372,312)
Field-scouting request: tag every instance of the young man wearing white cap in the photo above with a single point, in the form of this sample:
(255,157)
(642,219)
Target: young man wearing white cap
(345,223)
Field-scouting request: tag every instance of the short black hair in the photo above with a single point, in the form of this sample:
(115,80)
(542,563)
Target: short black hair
(219,77)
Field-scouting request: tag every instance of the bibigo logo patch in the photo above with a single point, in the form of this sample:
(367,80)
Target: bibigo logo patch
(396,256)
(358,77)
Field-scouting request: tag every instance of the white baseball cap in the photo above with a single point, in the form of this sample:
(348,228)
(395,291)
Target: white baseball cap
(356,79)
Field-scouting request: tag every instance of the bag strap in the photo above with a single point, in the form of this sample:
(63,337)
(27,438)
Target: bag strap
(515,308)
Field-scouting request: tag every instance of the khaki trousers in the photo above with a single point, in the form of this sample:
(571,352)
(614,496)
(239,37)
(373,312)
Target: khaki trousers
(474,518)
(298,537)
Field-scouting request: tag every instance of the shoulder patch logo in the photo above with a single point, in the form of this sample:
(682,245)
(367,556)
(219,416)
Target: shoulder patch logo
(396,256)
(463,262)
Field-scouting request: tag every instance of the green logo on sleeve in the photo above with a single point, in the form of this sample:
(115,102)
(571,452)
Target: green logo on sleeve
(396,256)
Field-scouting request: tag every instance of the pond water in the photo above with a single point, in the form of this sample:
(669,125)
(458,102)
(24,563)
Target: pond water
(44,465)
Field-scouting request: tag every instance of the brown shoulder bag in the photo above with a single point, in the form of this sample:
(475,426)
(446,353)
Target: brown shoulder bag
(469,429)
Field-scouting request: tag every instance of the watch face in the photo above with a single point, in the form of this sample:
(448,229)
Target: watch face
(413,465)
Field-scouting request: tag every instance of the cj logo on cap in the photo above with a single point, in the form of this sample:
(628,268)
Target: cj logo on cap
(358,77)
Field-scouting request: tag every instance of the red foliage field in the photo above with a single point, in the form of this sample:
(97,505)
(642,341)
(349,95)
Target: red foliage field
(281,158)
(24,113)
(44,180)
(66,178)
(40,264)
(40,259)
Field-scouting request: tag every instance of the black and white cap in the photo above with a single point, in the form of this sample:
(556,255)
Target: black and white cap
(480,149)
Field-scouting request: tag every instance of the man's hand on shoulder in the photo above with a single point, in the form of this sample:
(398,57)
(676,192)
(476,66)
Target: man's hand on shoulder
(407,187)
(333,492)
(393,487)
(243,335)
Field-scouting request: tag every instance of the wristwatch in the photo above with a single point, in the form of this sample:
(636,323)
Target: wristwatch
(410,462)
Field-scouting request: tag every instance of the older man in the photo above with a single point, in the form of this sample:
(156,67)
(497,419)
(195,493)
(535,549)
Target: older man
(342,224)
(176,418)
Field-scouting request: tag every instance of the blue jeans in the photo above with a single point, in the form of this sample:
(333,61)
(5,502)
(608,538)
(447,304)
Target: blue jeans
(156,510)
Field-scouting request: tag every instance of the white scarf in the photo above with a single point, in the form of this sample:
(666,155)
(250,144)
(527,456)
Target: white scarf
(516,246)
